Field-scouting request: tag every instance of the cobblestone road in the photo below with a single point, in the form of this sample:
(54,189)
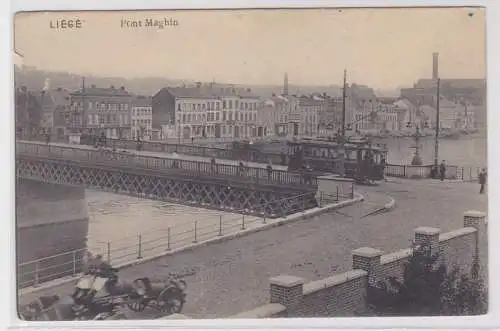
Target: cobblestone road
(231,277)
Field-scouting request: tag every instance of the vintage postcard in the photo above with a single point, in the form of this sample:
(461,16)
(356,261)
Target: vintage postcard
(256,163)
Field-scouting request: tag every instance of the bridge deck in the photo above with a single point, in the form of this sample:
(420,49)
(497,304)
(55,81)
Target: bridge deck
(185,166)
(180,156)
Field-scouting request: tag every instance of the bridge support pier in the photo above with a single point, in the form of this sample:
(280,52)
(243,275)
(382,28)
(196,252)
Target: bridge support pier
(51,219)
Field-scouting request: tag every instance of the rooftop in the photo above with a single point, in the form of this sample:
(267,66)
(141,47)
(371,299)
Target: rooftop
(102,91)
(141,101)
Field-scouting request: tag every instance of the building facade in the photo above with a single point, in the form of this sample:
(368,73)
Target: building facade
(28,111)
(101,111)
(141,118)
(310,108)
(205,112)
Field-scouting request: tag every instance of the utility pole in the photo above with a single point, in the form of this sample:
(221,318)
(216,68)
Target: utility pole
(344,96)
(83,105)
(436,142)
(342,132)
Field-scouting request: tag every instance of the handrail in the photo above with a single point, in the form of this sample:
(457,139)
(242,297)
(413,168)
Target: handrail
(193,168)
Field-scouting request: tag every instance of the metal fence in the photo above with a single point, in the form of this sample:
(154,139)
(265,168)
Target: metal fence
(452,172)
(158,242)
(186,168)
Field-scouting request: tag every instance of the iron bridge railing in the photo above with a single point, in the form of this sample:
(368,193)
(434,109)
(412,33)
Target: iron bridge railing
(187,168)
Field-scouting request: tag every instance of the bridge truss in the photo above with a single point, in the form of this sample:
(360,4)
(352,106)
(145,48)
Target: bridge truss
(201,192)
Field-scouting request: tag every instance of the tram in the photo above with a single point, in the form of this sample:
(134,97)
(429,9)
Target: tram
(363,161)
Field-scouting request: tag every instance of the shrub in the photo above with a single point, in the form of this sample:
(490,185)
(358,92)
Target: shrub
(428,289)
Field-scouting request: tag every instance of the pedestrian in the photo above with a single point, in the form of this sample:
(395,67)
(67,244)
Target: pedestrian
(269,170)
(442,170)
(482,180)
(283,157)
(213,164)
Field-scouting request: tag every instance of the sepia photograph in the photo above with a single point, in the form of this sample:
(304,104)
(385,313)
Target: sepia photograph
(250,163)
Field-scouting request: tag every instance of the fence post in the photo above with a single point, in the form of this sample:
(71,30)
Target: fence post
(139,248)
(352,191)
(37,276)
(109,252)
(74,263)
(264,219)
(195,232)
(470,173)
(243,222)
(220,225)
(337,192)
(168,239)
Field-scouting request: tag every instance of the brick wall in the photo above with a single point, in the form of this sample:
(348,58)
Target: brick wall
(345,294)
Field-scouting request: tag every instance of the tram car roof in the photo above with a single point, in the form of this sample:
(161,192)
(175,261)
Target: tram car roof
(352,143)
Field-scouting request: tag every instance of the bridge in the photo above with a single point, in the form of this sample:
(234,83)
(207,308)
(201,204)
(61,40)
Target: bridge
(224,186)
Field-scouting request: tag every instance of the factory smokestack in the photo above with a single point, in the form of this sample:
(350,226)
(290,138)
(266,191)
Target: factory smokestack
(435,66)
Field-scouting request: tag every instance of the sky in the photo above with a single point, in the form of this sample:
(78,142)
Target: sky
(382,48)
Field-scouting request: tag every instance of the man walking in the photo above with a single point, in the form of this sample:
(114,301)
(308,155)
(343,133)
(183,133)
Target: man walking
(442,171)
(482,180)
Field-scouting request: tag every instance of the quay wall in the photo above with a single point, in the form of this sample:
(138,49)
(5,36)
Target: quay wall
(51,220)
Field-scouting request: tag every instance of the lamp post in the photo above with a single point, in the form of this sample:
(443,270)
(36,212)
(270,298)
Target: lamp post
(436,139)
(417,160)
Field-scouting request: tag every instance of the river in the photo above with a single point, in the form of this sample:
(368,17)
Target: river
(467,151)
(118,220)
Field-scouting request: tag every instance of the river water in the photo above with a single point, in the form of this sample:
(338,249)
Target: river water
(116,221)
(119,219)
(467,151)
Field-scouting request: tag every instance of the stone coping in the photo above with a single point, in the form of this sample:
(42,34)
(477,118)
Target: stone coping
(475,213)
(264,311)
(334,280)
(286,280)
(395,256)
(426,230)
(367,252)
(456,233)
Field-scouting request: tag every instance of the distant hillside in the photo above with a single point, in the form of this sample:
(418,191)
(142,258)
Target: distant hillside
(35,79)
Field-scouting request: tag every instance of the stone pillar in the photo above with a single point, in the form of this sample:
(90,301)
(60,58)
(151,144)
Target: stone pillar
(429,236)
(367,259)
(474,219)
(478,220)
(286,290)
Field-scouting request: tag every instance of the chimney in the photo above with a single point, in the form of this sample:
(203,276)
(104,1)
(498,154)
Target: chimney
(285,84)
(435,66)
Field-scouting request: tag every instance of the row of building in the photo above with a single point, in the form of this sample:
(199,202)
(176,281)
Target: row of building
(113,112)
(226,111)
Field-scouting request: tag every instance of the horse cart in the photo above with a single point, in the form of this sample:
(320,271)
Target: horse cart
(108,299)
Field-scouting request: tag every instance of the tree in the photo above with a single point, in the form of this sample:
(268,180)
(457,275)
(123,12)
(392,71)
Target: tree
(428,289)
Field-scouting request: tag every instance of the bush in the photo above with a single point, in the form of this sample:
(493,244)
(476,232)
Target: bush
(428,289)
